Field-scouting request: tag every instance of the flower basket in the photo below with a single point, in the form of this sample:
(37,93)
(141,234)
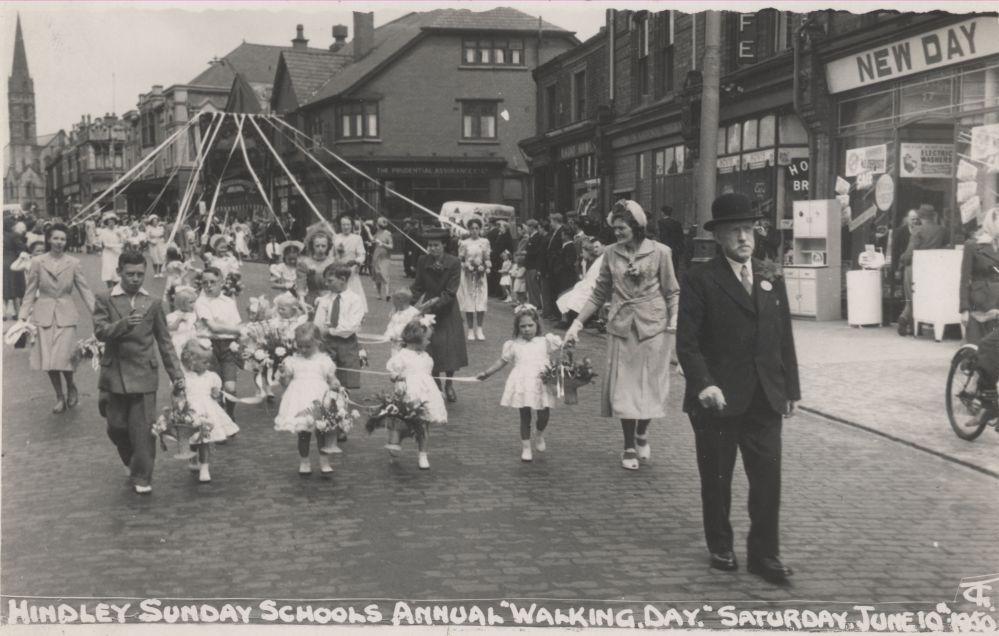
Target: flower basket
(332,416)
(396,413)
(571,390)
(566,376)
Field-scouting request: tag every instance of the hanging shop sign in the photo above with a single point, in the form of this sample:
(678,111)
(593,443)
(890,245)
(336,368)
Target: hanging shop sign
(797,175)
(728,164)
(576,150)
(873,159)
(926,161)
(884,192)
(961,42)
(758,159)
(434,171)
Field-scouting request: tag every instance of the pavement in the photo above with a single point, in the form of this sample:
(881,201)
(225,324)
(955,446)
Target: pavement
(865,518)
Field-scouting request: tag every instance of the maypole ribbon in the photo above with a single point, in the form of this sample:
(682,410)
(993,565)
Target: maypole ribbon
(76,219)
(260,187)
(338,180)
(365,372)
(213,127)
(218,186)
(291,177)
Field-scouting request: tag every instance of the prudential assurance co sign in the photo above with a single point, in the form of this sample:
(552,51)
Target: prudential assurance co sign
(934,49)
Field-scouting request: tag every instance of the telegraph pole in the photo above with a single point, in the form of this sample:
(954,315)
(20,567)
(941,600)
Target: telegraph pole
(707,167)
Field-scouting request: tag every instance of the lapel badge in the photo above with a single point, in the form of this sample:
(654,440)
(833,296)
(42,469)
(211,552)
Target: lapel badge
(765,285)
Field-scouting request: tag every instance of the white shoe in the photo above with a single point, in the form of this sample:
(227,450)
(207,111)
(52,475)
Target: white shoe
(305,467)
(526,455)
(324,465)
(423,462)
(142,490)
(393,449)
(539,443)
(203,475)
(628,460)
(644,451)
(331,448)
(478,334)
(471,335)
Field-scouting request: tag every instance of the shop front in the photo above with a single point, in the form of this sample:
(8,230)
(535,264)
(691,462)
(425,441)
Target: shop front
(917,125)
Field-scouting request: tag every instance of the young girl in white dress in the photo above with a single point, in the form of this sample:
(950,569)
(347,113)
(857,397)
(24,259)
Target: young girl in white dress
(182,321)
(529,351)
(307,376)
(506,282)
(204,389)
(290,314)
(411,369)
(518,274)
(403,312)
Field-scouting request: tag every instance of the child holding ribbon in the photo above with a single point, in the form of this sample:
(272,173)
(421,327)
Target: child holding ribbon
(403,313)
(529,351)
(204,390)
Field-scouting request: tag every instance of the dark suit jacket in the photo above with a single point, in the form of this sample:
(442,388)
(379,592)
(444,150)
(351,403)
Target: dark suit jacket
(733,341)
(129,362)
(899,243)
(979,277)
(671,234)
(535,252)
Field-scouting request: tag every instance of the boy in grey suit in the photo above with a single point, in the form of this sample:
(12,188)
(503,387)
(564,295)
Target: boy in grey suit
(132,325)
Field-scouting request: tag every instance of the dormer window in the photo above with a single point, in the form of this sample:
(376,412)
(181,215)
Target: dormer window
(492,52)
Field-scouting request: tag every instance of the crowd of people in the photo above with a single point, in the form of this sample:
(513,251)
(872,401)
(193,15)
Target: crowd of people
(305,346)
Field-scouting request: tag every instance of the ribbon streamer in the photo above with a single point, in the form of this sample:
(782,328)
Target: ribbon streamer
(260,187)
(218,186)
(213,127)
(256,399)
(454,379)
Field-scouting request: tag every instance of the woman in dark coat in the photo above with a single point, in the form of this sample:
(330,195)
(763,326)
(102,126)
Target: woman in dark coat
(13,281)
(434,288)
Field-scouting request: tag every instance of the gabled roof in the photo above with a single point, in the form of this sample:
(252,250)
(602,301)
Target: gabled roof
(257,63)
(393,37)
(308,70)
(45,140)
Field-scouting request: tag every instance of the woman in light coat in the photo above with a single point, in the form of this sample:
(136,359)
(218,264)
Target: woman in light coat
(637,279)
(48,304)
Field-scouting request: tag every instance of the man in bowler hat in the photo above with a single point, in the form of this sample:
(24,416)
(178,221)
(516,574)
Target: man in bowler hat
(736,349)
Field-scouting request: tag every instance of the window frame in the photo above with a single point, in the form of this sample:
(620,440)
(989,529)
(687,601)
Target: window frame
(484,51)
(478,111)
(353,120)
(579,95)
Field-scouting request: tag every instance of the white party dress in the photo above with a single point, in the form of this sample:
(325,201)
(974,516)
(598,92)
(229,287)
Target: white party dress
(415,367)
(529,358)
(310,379)
(199,396)
(397,323)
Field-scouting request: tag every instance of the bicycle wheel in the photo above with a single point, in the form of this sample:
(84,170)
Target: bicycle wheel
(967,408)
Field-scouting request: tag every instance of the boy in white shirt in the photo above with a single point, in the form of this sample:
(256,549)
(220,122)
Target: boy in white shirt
(339,313)
(220,314)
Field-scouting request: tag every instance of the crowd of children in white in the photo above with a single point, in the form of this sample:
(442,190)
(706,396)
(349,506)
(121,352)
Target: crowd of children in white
(292,342)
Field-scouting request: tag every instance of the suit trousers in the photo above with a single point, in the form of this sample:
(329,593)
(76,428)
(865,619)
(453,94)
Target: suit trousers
(757,434)
(549,293)
(130,419)
(534,282)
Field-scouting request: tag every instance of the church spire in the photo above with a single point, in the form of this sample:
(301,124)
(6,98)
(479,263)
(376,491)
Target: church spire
(20,68)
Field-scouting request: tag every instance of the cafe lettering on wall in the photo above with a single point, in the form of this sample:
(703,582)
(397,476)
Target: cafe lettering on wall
(746,41)
(952,44)
(576,150)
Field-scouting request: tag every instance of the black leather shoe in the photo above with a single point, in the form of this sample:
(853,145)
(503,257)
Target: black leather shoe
(724,561)
(450,394)
(770,569)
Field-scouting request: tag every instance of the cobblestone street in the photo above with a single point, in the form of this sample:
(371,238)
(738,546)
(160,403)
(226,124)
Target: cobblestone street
(865,518)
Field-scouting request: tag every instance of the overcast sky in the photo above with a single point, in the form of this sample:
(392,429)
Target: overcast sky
(73,49)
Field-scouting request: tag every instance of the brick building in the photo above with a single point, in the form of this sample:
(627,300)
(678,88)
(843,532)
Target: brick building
(432,104)
(639,134)
(93,157)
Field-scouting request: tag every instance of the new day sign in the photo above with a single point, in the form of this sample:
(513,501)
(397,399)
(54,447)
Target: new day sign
(956,43)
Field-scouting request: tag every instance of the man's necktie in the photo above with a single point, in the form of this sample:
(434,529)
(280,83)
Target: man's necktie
(335,311)
(747,284)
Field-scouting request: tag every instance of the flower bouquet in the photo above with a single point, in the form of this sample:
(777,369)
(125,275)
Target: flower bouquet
(177,421)
(477,269)
(233,284)
(263,352)
(567,375)
(332,415)
(88,349)
(396,412)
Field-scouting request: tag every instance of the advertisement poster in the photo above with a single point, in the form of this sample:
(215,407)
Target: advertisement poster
(871,159)
(926,161)
(985,143)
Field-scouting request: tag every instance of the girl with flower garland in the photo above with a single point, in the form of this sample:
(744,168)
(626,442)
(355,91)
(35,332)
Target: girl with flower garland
(529,351)
(290,314)
(182,321)
(411,368)
(204,390)
(307,376)
(403,312)
(472,292)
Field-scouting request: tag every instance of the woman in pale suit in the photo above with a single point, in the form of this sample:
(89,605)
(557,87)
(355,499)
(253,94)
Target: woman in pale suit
(112,244)
(473,291)
(48,304)
(155,234)
(637,278)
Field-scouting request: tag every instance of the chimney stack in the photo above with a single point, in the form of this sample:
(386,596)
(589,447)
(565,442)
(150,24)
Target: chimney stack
(339,37)
(364,34)
(300,42)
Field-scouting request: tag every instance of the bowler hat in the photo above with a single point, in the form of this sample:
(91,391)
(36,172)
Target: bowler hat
(729,207)
(434,234)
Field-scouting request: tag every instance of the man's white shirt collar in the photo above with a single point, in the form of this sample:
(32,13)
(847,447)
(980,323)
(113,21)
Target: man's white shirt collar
(117,290)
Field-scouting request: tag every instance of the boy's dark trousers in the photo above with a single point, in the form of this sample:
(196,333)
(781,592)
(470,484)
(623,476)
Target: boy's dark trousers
(130,418)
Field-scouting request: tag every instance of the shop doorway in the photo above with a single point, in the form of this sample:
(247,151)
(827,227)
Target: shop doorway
(925,166)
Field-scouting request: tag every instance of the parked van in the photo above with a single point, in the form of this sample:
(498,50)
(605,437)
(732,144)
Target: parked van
(461,211)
